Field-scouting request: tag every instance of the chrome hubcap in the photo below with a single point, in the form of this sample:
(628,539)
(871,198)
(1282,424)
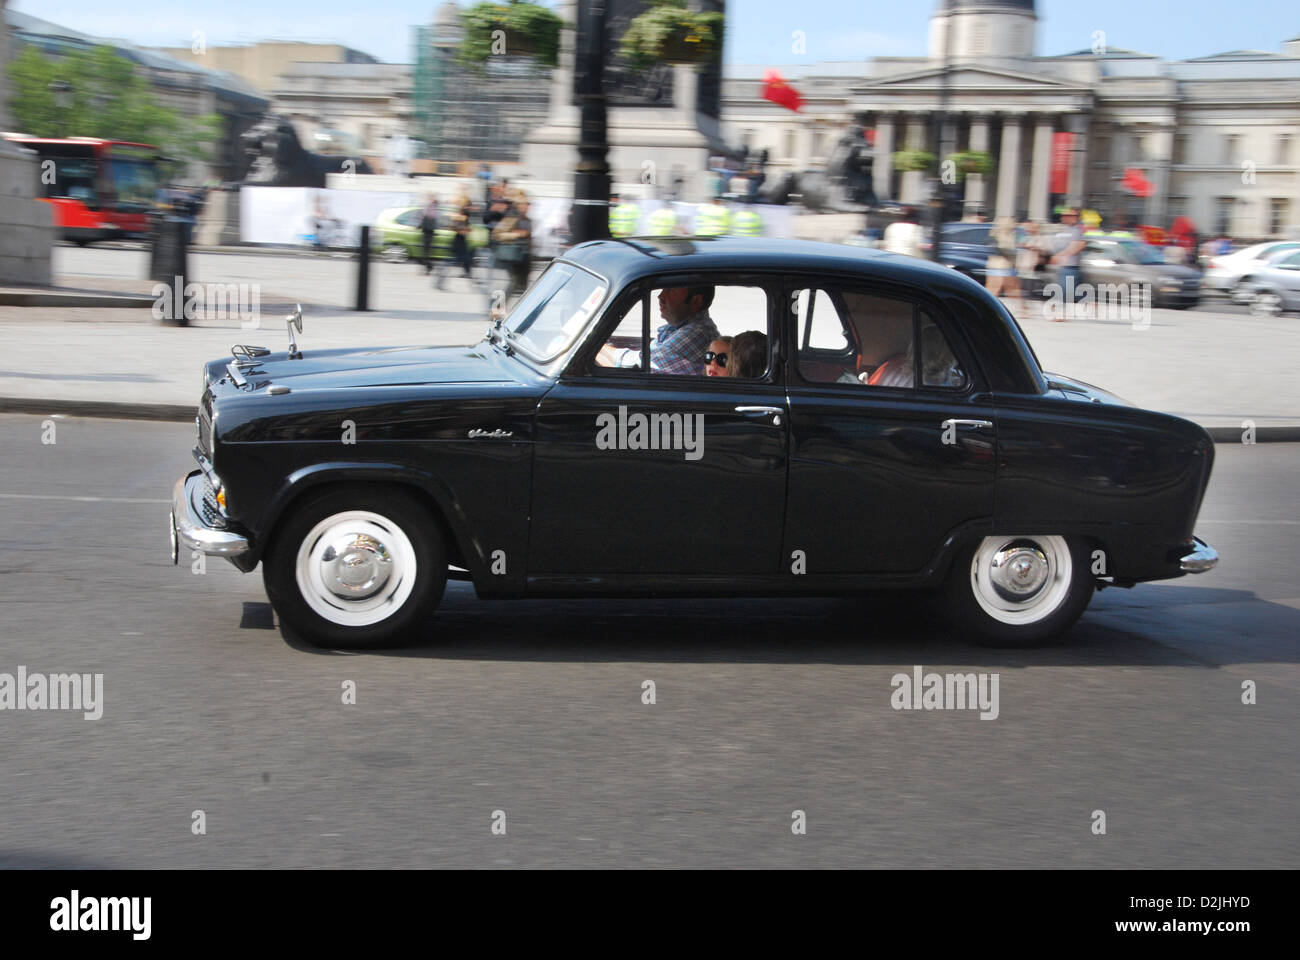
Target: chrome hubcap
(356,568)
(1021,580)
(1019,572)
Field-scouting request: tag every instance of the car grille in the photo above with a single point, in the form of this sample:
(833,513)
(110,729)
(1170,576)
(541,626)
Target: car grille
(211,512)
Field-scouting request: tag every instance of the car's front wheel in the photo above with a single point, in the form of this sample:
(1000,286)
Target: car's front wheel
(356,567)
(396,253)
(1019,591)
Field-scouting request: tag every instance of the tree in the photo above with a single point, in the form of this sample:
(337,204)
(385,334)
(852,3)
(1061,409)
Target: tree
(97,93)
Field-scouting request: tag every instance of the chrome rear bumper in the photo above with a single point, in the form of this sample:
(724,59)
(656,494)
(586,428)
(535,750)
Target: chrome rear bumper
(1201,558)
(190,528)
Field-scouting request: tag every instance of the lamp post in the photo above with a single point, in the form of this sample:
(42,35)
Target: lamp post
(591,177)
(939,194)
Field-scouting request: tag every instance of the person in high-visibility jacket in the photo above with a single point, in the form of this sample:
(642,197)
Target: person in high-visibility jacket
(712,219)
(662,223)
(624,218)
(747,223)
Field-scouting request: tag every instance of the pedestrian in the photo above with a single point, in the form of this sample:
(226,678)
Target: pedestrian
(428,226)
(493,214)
(1029,255)
(1069,244)
(904,235)
(460,220)
(514,235)
(1000,267)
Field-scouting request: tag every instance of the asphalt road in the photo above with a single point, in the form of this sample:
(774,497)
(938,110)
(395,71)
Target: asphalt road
(534,708)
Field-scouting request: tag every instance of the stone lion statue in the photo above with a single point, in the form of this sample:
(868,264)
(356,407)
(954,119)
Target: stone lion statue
(276,158)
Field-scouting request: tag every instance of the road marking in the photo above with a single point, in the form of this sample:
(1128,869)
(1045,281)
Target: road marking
(50,496)
(1270,523)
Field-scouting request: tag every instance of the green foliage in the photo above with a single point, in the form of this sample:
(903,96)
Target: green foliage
(530,30)
(973,161)
(909,161)
(670,33)
(105,98)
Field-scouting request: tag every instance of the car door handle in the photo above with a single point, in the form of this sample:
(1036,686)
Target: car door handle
(763,411)
(971,424)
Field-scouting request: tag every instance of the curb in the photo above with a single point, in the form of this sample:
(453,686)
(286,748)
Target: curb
(1282,433)
(9,298)
(167,412)
(175,413)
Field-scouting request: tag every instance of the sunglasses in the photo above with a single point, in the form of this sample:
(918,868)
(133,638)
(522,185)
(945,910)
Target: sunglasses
(719,358)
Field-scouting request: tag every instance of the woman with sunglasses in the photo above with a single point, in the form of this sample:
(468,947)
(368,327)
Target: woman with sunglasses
(715,360)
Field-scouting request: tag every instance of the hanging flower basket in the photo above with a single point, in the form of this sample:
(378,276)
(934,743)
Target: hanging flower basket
(514,29)
(910,161)
(973,161)
(669,33)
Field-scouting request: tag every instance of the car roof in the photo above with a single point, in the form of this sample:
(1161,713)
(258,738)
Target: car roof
(622,261)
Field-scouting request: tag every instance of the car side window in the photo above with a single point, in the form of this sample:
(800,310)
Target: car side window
(694,329)
(411,218)
(884,332)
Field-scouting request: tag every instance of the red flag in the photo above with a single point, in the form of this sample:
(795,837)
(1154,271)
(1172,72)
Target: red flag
(1137,184)
(779,92)
(1062,144)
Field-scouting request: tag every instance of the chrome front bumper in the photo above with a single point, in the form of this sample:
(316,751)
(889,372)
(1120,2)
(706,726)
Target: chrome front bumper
(1201,558)
(189,529)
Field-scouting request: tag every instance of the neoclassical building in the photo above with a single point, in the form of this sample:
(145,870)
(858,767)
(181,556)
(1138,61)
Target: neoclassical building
(1215,136)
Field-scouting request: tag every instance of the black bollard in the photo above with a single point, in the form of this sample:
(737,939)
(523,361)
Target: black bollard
(363,270)
(169,264)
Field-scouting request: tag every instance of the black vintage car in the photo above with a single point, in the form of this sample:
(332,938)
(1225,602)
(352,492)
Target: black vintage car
(884,426)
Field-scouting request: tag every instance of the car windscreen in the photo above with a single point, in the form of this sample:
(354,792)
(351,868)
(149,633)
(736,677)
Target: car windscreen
(1141,252)
(548,318)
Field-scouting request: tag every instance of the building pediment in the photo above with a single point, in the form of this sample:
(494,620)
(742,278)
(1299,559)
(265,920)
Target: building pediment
(970,77)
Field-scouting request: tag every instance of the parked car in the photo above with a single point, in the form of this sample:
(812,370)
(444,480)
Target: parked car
(1276,285)
(1116,260)
(890,429)
(397,236)
(1234,273)
(966,247)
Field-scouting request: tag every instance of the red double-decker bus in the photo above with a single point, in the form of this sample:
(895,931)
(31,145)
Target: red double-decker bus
(100,189)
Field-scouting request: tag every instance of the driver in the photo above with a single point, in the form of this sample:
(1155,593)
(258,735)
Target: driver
(683,339)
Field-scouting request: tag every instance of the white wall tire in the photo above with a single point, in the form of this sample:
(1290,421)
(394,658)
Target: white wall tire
(356,567)
(1019,590)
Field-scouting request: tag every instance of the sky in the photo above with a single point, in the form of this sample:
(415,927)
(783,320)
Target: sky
(758,31)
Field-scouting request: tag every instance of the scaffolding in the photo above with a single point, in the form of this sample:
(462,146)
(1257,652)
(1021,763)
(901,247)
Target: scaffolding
(475,116)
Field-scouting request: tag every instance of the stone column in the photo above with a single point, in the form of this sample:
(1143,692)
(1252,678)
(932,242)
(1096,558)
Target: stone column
(914,180)
(1162,150)
(1009,165)
(1079,126)
(979,143)
(1040,179)
(26,224)
(882,169)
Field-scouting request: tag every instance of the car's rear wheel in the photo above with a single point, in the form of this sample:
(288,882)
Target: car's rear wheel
(396,253)
(356,567)
(1266,304)
(1019,591)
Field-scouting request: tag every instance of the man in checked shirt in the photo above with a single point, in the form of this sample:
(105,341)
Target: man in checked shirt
(680,344)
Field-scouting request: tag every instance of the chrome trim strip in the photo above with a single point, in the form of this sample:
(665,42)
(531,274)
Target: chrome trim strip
(1204,557)
(190,528)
